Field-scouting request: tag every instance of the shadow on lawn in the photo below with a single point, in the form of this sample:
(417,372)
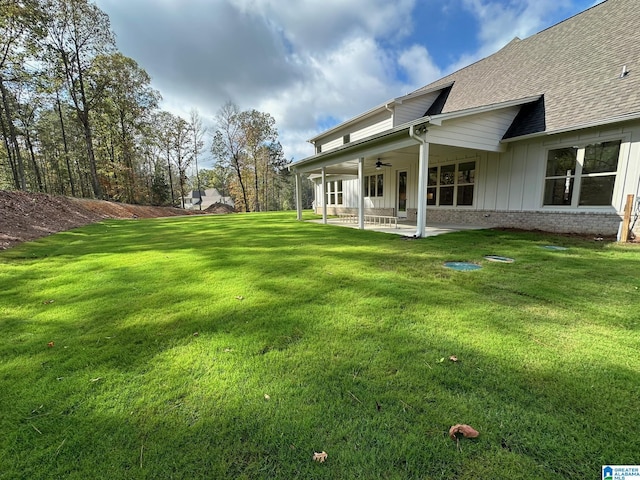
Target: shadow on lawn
(369,388)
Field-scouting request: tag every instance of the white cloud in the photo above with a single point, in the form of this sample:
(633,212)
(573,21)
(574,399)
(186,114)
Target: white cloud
(302,62)
(419,66)
(500,22)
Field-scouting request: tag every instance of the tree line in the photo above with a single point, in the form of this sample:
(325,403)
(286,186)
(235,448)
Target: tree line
(79,118)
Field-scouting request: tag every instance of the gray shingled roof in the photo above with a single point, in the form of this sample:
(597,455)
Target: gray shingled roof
(575,64)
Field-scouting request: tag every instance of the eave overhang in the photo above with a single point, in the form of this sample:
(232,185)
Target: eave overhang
(392,139)
(597,123)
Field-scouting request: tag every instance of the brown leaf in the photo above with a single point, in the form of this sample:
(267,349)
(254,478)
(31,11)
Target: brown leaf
(319,457)
(453,358)
(240,297)
(465,430)
(50,344)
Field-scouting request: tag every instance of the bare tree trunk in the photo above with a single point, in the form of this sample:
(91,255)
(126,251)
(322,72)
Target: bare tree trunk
(21,182)
(66,146)
(255,178)
(173,197)
(236,166)
(5,137)
(36,169)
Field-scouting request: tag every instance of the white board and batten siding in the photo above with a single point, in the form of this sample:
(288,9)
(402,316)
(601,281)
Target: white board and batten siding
(514,180)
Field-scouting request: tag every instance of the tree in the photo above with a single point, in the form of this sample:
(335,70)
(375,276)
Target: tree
(229,145)
(182,155)
(20,26)
(78,32)
(247,142)
(259,131)
(125,106)
(197,131)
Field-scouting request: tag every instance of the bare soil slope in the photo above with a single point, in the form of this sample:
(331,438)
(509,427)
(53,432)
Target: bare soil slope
(27,216)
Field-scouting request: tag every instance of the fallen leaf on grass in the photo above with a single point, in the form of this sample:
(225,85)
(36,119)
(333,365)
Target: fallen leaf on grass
(195,334)
(267,397)
(47,302)
(320,457)
(465,430)
(239,297)
(453,358)
(50,344)
(95,379)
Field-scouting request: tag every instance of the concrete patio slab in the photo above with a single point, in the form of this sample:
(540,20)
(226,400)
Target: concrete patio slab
(405,229)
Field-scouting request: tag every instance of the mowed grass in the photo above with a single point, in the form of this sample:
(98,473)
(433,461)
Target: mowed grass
(237,346)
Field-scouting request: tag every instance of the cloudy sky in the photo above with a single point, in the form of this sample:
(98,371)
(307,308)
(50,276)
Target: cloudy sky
(313,63)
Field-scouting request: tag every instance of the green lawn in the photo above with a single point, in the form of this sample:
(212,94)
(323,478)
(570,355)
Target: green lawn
(237,346)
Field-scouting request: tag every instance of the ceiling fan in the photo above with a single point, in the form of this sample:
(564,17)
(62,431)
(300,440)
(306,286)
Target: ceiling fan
(380,164)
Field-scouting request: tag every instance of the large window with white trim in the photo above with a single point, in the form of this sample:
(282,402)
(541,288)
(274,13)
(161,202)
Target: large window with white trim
(451,185)
(333,193)
(373,185)
(581,176)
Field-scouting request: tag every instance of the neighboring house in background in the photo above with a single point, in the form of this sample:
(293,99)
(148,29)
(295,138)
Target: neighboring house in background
(543,134)
(203,199)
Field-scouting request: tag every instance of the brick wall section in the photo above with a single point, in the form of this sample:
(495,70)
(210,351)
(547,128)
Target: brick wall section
(606,224)
(559,222)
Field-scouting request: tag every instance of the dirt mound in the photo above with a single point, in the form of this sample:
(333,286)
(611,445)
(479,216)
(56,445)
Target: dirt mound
(219,208)
(27,216)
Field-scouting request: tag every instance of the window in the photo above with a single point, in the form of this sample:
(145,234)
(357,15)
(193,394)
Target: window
(451,185)
(346,139)
(318,148)
(373,185)
(581,176)
(333,193)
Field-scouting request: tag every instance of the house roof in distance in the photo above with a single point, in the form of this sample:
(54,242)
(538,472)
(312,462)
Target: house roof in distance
(578,66)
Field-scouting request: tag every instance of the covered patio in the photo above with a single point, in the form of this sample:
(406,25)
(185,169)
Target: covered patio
(398,173)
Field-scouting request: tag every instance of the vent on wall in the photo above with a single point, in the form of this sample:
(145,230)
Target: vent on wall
(624,72)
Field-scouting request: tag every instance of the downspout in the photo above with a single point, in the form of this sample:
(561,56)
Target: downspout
(423,168)
(392,111)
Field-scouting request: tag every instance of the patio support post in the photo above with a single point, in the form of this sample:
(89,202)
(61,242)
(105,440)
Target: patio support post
(298,197)
(361,193)
(423,169)
(324,195)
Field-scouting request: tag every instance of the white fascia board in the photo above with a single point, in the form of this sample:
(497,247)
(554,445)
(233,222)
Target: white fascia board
(379,109)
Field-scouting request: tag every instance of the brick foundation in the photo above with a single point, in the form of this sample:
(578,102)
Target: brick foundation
(606,224)
(589,223)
